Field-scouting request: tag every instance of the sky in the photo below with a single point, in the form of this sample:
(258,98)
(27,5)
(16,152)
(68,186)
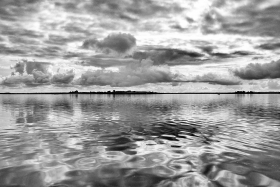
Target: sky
(148,45)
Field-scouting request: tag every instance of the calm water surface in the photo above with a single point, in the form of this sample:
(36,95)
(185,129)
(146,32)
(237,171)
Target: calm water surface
(139,140)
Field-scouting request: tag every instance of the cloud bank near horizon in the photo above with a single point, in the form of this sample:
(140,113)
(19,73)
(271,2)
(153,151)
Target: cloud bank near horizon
(131,75)
(29,73)
(259,71)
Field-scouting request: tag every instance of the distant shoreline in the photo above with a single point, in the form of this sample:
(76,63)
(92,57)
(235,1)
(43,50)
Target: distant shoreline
(134,93)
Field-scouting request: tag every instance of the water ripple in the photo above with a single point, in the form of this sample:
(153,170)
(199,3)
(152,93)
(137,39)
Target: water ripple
(145,141)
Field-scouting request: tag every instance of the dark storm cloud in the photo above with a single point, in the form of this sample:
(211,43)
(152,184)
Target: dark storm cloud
(159,56)
(120,43)
(212,78)
(168,56)
(230,55)
(259,71)
(254,17)
(270,46)
(177,53)
(209,49)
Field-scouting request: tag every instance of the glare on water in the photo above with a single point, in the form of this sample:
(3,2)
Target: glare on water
(140,140)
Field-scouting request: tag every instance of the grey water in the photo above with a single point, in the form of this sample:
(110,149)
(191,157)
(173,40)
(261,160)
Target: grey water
(139,140)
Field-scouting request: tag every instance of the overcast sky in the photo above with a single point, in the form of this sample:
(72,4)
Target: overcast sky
(154,45)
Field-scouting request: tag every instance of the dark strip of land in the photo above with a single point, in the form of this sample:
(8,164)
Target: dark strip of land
(142,92)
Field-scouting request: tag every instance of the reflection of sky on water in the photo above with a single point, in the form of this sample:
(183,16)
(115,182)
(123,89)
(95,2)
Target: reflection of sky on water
(150,140)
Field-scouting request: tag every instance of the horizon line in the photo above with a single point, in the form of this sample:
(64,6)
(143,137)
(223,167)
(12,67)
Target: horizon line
(141,92)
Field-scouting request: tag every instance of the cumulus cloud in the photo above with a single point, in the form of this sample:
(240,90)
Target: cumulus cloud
(63,78)
(273,85)
(131,75)
(119,43)
(38,78)
(41,77)
(259,71)
(28,67)
(35,79)
(33,73)
(18,79)
(212,78)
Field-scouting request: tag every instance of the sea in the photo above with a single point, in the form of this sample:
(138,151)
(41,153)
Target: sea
(134,140)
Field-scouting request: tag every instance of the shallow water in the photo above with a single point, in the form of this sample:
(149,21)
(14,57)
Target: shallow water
(139,140)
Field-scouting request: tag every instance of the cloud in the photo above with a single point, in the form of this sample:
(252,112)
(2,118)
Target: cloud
(7,50)
(8,30)
(212,78)
(16,10)
(18,79)
(255,18)
(273,85)
(105,61)
(76,29)
(215,51)
(48,52)
(37,78)
(169,56)
(259,71)
(128,11)
(28,73)
(62,40)
(28,67)
(131,75)
(159,56)
(22,40)
(120,43)
(270,46)
(41,77)
(36,73)
(63,78)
